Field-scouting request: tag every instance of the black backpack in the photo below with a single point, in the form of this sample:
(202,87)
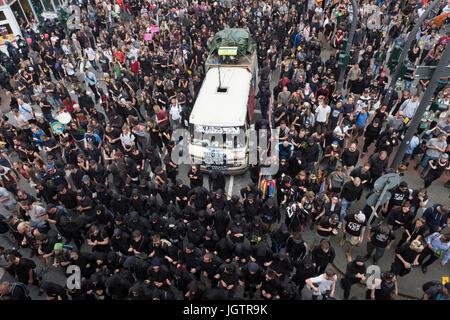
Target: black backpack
(25,289)
(429,284)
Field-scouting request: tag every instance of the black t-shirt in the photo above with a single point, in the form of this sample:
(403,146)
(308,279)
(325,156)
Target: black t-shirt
(21,270)
(69,199)
(100,237)
(353,227)
(398,196)
(406,253)
(87,202)
(51,143)
(325,223)
(379,239)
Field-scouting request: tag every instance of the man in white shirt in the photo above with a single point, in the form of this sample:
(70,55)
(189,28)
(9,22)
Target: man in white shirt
(323,285)
(37,215)
(69,69)
(19,119)
(364,102)
(90,53)
(409,107)
(322,114)
(25,110)
(8,201)
(174,114)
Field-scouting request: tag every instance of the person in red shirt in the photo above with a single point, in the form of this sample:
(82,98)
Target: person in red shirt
(134,66)
(119,56)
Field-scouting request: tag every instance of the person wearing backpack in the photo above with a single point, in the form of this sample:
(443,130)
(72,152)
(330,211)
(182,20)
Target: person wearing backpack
(14,291)
(436,291)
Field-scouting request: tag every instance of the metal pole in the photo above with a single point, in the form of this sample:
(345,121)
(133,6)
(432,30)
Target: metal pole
(380,198)
(340,83)
(424,102)
(409,41)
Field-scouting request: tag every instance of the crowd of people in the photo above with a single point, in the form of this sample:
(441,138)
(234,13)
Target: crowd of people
(93,111)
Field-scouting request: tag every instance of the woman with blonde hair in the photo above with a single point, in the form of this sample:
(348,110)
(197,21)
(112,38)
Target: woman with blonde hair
(406,256)
(161,116)
(29,239)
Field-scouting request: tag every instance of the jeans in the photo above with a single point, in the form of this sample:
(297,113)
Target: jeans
(94,65)
(408,85)
(378,252)
(344,206)
(424,163)
(375,69)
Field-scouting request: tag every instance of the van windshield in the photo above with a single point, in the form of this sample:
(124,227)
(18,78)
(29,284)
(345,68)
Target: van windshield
(218,137)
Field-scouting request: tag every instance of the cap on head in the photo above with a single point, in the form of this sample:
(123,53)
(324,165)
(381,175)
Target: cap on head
(360,217)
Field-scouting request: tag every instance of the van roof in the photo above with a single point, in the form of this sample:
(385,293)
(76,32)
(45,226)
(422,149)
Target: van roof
(222,109)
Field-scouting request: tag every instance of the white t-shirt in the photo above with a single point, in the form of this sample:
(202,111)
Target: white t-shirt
(175,112)
(322,284)
(5,193)
(90,54)
(36,221)
(340,130)
(20,120)
(25,110)
(322,111)
(69,68)
(127,139)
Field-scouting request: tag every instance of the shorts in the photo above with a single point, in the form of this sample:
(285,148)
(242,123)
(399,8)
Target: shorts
(354,241)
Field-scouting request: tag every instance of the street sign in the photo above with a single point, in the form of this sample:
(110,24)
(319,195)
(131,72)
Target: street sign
(374,197)
(392,179)
(426,72)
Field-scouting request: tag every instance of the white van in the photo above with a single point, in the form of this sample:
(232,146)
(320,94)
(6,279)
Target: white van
(220,120)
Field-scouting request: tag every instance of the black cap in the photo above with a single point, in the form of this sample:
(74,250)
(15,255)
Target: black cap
(361,259)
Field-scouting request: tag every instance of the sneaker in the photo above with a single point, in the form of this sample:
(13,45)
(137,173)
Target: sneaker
(340,225)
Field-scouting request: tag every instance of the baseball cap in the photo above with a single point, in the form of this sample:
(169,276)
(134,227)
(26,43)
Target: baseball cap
(156,262)
(335,143)
(360,217)
(117,232)
(49,166)
(253,267)
(361,259)
(85,178)
(58,246)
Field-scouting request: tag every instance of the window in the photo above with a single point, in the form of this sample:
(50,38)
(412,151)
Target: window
(18,13)
(37,6)
(48,5)
(5,29)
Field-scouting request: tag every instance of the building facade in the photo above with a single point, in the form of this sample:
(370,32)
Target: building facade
(17,13)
